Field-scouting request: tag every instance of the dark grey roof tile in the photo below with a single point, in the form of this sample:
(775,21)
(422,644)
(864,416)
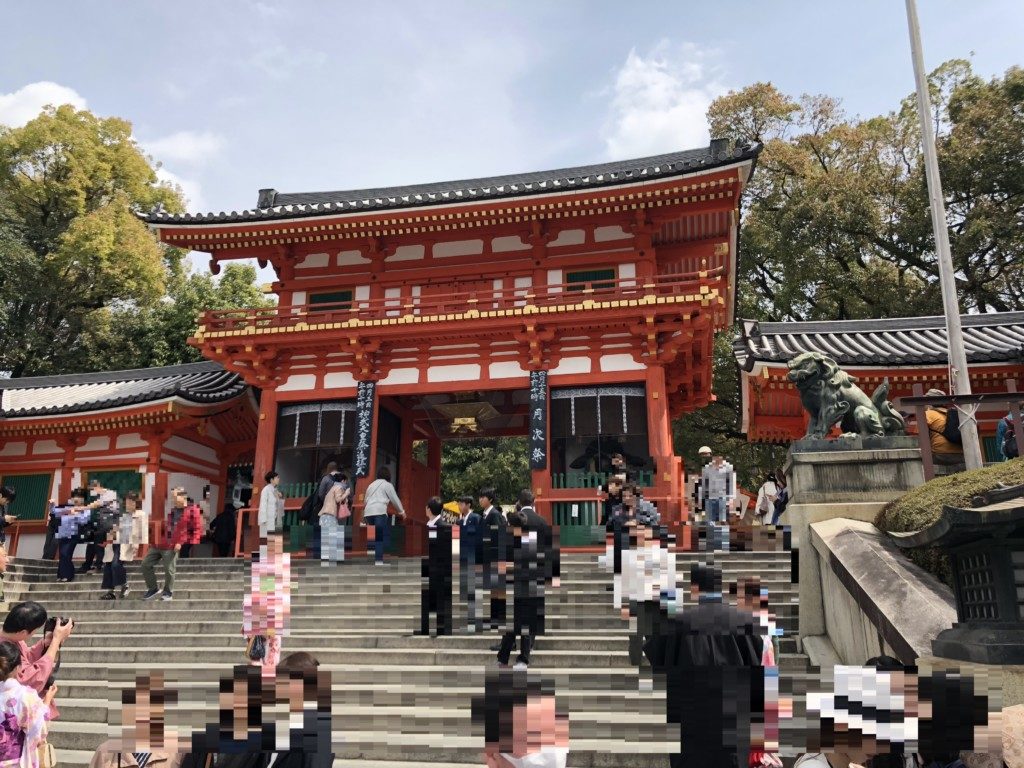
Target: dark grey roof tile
(301,204)
(201,383)
(989,338)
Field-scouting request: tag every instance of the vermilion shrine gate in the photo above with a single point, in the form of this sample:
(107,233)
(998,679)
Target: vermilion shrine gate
(442,302)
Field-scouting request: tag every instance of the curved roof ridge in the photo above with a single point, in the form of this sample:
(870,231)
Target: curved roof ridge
(104,377)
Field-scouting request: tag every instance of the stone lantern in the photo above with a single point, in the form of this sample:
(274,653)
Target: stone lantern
(985,545)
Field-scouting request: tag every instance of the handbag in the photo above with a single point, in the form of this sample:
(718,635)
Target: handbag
(47,755)
(256,648)
(344,511)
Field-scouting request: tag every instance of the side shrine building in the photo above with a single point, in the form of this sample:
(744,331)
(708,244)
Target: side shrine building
(574,307)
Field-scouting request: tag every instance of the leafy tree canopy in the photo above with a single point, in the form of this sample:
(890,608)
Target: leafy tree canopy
(71,243)
(468,465)
(84,285)
(836,220)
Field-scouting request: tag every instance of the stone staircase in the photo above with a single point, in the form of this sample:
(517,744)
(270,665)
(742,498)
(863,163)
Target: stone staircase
(398,700)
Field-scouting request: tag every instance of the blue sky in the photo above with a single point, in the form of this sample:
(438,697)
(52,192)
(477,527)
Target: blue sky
(233,96)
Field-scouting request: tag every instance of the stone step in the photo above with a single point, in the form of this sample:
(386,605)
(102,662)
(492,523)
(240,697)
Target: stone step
(193,692)
(438,745)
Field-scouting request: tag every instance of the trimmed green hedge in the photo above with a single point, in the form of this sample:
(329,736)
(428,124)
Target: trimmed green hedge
(922,507)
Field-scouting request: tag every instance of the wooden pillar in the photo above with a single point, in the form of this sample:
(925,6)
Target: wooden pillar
(659,435)
(263,462)
(924,436)
(413,542)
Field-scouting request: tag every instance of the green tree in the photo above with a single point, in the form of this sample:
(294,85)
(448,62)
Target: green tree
(71,243)
(129,337)
(467,465)
(836,220)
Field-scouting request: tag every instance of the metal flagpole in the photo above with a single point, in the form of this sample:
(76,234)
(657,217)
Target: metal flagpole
(960,383)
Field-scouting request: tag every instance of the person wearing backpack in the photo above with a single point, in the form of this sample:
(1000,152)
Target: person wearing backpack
(1006,438)
(944,428)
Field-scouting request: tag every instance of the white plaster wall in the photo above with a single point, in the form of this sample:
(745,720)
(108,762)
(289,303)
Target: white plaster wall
(148,484)
(572,365)
(31,545)
(339,379)
(55,487)
(393,298)
(299,298)
(193,485)
(76,479)
(611,363)
(407,253)
(402,376)
(193,449)
(14,449)
(627,273)
(509,243)
(298,381)
(466,372)
(314,260)
(130,440)
(555,278)
(604,234)
(43,447)
(458,248)
(362,293)
(506,370)
(350,258)
(569,237)
(96,444)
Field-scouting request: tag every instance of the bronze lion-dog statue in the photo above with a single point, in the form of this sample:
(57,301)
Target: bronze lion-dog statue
(831,396)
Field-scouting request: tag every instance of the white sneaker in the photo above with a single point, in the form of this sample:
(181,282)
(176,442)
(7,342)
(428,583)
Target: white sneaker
(519,665)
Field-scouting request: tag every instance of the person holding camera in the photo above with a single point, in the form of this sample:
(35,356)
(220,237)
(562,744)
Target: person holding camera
(7,497)
(39,660)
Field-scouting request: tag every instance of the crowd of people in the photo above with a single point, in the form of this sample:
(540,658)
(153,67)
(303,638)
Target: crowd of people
(715,655)
(114,529)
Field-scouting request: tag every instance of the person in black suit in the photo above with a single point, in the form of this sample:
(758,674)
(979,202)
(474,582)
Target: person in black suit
(470,544)
(534,561)
(436,572)
(709,656)
(492,551)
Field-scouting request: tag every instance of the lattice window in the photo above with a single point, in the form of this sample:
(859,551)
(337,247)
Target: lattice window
(978,590)
(337,299)
(595,279)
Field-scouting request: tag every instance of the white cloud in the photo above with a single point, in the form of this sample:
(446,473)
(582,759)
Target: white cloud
(659,101)
(185,147)
(190,188)
(26,103)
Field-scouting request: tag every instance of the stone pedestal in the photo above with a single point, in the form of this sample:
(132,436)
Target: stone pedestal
(851,478)
(857,470)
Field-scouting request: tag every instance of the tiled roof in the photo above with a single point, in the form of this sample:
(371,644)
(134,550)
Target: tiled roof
(202,383)
(899,341)
(277,205)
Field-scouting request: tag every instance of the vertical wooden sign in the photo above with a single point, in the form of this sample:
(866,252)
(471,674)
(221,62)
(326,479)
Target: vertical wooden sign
(538,420)
(366,396)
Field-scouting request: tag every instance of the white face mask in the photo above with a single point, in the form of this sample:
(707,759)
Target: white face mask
(548,757)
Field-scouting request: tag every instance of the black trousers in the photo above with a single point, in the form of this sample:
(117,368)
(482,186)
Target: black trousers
(65,567)
(93,557)
(649,617)
(114,573)
(436,597)
(50,545)
(528,613)
(494,583)
(222,548)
